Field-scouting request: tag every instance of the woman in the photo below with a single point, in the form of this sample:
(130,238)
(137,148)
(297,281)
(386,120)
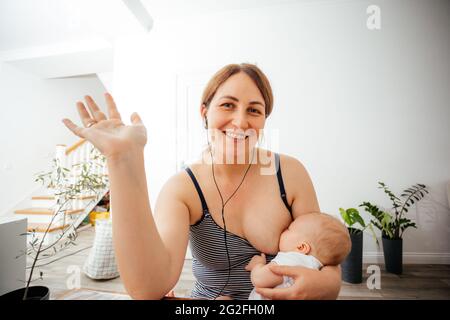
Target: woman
(199,203)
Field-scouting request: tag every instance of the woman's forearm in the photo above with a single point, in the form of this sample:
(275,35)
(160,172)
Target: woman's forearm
(141,256)
(331,276)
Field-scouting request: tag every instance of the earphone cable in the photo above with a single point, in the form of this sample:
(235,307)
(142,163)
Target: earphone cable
(223,210)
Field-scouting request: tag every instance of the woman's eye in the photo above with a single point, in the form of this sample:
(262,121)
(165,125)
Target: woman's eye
(253,110)
(227,105)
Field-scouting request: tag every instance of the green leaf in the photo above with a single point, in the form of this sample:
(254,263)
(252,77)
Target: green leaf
(344,216)
(360,220)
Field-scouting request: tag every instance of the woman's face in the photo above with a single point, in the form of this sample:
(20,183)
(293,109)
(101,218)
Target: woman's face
(235,117)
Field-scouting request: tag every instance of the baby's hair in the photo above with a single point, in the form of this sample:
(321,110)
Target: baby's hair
(332,243)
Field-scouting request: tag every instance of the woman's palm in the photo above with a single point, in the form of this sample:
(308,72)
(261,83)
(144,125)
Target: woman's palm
(111,136)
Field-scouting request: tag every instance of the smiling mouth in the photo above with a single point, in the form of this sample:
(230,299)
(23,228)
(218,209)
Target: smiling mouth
(234,135)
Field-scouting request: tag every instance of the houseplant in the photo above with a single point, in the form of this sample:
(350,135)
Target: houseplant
(352,265)
(66,189)
(394,223)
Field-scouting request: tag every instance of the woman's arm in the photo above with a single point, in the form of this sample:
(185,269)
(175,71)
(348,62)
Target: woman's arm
(149,254)
(149,257)
(309,283)
(333,276)
(299,186)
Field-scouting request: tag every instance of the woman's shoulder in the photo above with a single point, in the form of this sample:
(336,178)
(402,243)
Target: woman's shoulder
(298,185)
(179,184)
(294,172)
(289,164)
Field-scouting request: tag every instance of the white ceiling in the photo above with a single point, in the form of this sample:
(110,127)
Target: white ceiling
(175,9)
(57,38)
(28,23)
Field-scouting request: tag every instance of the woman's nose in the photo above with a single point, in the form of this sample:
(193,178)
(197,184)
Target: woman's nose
(240,120)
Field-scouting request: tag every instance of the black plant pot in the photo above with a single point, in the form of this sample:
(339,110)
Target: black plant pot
(393,254)
(352,265)
(34,293)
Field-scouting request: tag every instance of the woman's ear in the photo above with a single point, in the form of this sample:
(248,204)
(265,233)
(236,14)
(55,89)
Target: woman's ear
(203,110)
(304,248)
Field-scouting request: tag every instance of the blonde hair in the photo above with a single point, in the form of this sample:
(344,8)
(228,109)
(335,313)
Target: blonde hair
(258,77)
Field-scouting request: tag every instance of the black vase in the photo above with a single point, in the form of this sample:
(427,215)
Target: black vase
(34,293)
(393,254)
(352,265)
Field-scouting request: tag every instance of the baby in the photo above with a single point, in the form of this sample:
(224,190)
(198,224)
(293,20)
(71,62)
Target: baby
(312,240)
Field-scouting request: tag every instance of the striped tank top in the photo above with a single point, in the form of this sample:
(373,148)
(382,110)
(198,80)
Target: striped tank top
(209,256)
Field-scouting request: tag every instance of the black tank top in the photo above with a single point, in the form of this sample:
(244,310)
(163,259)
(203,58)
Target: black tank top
(209,256)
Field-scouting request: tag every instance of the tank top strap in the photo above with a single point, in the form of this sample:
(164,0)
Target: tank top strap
(281,184)
(199,190)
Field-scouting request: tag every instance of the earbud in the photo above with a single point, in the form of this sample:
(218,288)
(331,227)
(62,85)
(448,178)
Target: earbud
(206,123)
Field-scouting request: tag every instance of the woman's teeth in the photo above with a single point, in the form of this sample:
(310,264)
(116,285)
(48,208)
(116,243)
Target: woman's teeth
(238,136)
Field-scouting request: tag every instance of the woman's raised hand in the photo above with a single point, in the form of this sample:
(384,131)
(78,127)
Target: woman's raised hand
(108,134)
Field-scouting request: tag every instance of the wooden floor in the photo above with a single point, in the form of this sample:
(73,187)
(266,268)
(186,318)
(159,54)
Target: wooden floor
(417,281)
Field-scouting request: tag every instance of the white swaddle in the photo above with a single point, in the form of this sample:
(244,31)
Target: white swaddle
(290,259)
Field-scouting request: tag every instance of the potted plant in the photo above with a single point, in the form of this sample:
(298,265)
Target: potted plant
(67,189)
(352,265)
(393,224)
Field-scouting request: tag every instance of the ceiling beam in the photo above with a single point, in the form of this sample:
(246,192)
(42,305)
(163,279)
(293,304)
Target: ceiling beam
(140,13)
(66,59)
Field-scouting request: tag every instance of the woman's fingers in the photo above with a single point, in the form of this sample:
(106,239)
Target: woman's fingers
(135,118)
(113,113)
(84,114)
(289,271)
(74,128)
(97,114)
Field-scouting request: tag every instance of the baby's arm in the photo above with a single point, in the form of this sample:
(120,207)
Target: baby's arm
(261,275)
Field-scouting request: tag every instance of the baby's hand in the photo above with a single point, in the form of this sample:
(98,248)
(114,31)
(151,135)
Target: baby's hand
(255,261)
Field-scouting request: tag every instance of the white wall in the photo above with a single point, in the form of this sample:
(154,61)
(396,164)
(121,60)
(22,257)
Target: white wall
(355,106)
(31,111)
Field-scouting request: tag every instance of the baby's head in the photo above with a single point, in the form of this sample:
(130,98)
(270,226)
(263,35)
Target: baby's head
(319,235)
